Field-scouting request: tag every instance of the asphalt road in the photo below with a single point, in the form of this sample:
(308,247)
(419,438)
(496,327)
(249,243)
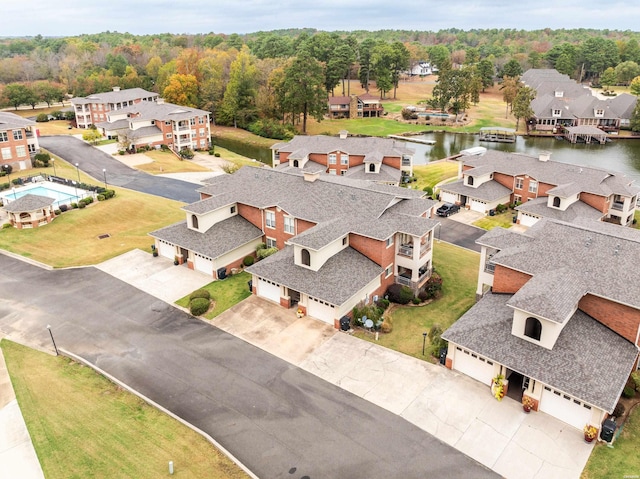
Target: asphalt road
(92,161)
(280,421)
(459,234)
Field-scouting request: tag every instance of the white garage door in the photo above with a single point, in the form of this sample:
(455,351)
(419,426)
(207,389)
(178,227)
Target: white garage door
(167,250)
(269,290)
(202,264)
(527,220)
(473,365)
(321,310)
(448,197)
(478,206)
(564,407)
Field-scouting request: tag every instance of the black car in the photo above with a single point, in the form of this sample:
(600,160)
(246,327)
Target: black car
(447,209)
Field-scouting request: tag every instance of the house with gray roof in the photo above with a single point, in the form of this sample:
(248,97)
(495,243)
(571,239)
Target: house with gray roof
(383,160)
(18,141)
(542,188)
(561,103)
(156,123)
(93,108)
(558,316)
(29,211)
(338,241)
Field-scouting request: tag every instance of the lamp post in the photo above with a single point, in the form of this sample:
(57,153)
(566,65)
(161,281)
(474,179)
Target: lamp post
(104,173)
(424,340)
(78,171)
(6,168)
(52,340)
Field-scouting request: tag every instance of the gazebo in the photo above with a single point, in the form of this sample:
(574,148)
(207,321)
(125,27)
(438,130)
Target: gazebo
(30,211)
(584,133)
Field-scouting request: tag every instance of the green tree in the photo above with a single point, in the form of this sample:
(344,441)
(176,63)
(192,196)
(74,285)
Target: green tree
(509,91)
(522,104)
(634,86)
(598,54)
(91,135)
(365,60)
(511,69)
(635,118)
(182,90)
(117,64)
(381,60)
(626,71)
(439,55)
(303,91)
(453,87)
(631,51)
(534,59)
(486,72)
(48,92)
(566,64)
(17,94)
(239,101)
(608,77)
(398,63)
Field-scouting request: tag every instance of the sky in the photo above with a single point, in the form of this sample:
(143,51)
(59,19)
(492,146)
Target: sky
(74,17)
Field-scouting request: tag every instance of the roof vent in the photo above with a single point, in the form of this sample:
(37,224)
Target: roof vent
(160,101)
(617,250)
(343,134)
(544,156)
(116,88)
(311,177)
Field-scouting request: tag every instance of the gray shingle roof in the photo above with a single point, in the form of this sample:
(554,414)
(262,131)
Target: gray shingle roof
(341,277)
(145,132)
(129,94)
(488,191)
(351,145)
(538,207)
(11,121)
(221,238)
(387,174)
(588,361)
(161,111)
(114,125)
(28,202)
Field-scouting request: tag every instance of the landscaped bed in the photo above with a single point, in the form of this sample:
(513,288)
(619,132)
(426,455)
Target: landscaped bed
(224,294)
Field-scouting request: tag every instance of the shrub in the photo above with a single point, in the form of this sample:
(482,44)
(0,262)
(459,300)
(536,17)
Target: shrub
(386,326)
(211,152)
(423,295)
(268,128)
(500,208)
(433,286)
(217,155)
(6,226)
(57,115)
(199,306)
(408,114)
(63,208)
(618,411)
(121,152)
(200,293)
(74,205)
(260,246)
(628,392)
(248,260)
(82,204)
(371,311)
(635,377)
(437,343)
(44,158)
(57,212)
(187,153)
(263,253)
(230,168)
(69,115)
(43,118)
(416,300)
(164,147)
(397,293)
(383,303)
(101,197)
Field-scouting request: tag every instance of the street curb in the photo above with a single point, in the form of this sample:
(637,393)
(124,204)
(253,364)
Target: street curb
(162,409)
(26,260)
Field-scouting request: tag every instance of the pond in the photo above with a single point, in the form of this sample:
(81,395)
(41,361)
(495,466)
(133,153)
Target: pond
(622,155)
(244,149)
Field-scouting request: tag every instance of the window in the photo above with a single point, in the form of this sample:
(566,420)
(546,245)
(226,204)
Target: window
(533,328)
(344,159)
(168,122)
(332,159)
(232,210)
(332,171)
(556,202)
(470,180)
(296,164)
(389,271)
(289,224)
(271,243)
(21,151)
(517,199)
(556,112)
(192,121)
(270,219)
(32,148)
(194,221)
(6,153)
(372,168)
(169,135)
(3,136)
(17,134)
(202,132)
(344,241)
(519,183)
(389,241)
(305,257)
(343,172)
(201,120)
(533,186)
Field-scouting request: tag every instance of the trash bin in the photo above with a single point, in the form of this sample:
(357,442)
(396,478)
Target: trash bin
(515,218)
(492,212)
(443,356)
(250,284)
(608,429)
(345,323)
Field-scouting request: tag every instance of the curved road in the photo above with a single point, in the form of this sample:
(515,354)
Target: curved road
(280,421)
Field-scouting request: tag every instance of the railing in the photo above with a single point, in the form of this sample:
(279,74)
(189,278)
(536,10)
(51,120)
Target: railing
(403,280)
(181,128)
(425,248)
(489,267)
(406,162)
(423,274)
(617,205)
(406,250)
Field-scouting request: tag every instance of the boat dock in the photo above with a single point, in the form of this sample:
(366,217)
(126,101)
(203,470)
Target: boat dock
(498,134)
(412,140)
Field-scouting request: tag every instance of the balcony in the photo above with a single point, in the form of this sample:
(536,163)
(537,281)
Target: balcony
(617,205)
(406,250)
(489,267)
(404,278)
(181,128)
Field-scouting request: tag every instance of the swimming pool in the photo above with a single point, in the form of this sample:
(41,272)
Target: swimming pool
(63,195)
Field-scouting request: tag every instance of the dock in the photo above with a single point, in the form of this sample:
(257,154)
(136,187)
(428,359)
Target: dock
(412,140)
(498,134)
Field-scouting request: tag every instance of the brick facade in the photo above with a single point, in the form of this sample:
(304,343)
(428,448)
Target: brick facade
(375,250)
(622,319)
(507,280)
(595,201)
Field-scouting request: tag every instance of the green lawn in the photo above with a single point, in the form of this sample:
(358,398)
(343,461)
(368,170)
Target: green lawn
(503,219)
(167,162)
(459,270)
(621,461)
(433,173)
(226,293)
(83,425)
(363,126)
(236,158)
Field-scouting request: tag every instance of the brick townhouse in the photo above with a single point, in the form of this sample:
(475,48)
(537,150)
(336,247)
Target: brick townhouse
(18,141)
(93,108)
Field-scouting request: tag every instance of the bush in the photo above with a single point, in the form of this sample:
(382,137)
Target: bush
(200,293)
(43,118)
(44,158)
(397,293)
(371,311)
(164,147)
(408,114)
(618,411)
(82,204)
(635,378)
(500,208)
(101,197)
(628,392)
(416,300)
(230,168)
(432,287)
(263,253)
(64,208)
(211,152)
(74,205)
(382,303)
(69,115)
(6,226)
(248,260)
(217,155)
(260,246)
(386,326)
(199,306)
(268,128)
(187,153)
(57,212)
(437,343)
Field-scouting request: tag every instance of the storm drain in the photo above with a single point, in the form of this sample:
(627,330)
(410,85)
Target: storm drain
(106,235)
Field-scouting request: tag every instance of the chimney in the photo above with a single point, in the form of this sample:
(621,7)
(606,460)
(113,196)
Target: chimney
(544,156)
(343,134)
(116,88)
(311,177)
(160,101)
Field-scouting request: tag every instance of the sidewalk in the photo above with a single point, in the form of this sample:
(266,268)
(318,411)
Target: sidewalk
(17,455)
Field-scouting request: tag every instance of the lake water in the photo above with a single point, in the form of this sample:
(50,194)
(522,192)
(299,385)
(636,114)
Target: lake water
(618,155)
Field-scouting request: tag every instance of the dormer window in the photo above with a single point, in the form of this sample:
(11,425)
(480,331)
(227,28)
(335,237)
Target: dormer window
(305,257)
(470,180)
(296,164)
(556,202)
(556,112)
(194,221)
(533,328)
(372,168)
(599,112)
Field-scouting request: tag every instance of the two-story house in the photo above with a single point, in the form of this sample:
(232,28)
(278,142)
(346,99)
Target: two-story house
(18,141)
(159,123)
(338,244)
(546,188)
(559,317)
(94,108)
(355,106)
(381,160)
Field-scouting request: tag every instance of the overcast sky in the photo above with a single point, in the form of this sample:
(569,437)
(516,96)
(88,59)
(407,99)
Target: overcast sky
(73,17)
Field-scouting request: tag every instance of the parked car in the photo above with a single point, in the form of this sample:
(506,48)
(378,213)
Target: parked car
(447,209)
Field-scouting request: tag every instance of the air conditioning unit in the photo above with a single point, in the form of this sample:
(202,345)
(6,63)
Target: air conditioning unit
(221,273)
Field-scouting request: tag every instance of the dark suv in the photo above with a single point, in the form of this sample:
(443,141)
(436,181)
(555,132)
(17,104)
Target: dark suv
(447,209)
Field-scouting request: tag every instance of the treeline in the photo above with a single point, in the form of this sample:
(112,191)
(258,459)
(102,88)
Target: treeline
(285,76)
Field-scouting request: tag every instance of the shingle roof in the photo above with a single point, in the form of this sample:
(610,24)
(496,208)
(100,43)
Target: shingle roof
(488,191)
(147,110)
(538,207)
(588,361)
(129,94)
(11,121)
(351,145)
(28,202)
(221,238)
(341,277)
(145,132)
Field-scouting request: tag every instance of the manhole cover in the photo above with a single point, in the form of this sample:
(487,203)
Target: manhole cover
(106,235)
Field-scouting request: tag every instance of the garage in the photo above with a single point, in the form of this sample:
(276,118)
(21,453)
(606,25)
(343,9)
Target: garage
(527,220)
(479,206)
(321,310)
(448,197)
(203,264)
(564,407)
(166,250)
(268,289)
(474,365)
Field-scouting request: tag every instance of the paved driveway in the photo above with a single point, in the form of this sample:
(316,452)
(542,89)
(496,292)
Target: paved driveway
(273,416)
(92,161)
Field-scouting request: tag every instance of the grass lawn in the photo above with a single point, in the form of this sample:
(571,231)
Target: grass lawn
(83,425)
(636,216)
(459,270)
(239,134)
(167,162)
(236,158)
(621,461)
(362,126)
(433,173)
(226,293)
(57,127)
(503,219)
